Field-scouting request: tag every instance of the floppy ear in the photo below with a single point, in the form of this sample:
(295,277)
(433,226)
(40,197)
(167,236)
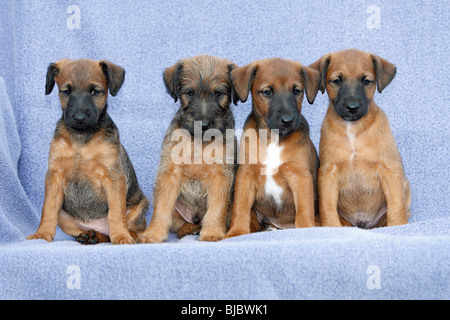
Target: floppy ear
(171,77)
(115,76)
(234,96)
(242,80)
(384,70)
(311,79)
(321,65)
(52,72)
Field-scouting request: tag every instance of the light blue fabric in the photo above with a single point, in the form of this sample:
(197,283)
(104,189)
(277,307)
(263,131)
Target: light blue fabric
(145,37)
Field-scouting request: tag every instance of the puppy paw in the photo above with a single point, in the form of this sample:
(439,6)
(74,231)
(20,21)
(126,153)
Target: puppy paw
(122,239)
(235,233)
(396,223)
(211,237)
(188,229)
(151,237)
(269,227)
(397,219)
(42,235)
(91,237)
(212,233)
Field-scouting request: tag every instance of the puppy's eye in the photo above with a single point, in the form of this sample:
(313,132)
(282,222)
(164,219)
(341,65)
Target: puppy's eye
(219,94)
(297,91)
(189,93)
(95,92)
(337,81)
(366,82)
(66,92)
(267,93)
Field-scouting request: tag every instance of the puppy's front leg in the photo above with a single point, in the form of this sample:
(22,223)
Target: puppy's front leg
(301,184)
(393,187)
(328,186)
(116,192)
(167,189)
(213,224)
(244,197)
(54,196)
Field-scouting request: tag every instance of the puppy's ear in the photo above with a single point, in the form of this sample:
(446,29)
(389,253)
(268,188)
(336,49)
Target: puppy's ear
(234,96)
(171,77)
(52,72)
(384,70)
(242,80)
(114,75)
(321,65)
(311,79)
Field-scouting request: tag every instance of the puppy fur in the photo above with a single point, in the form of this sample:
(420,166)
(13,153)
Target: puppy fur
(194,196)
(361,177)
(91,189)
(280,187)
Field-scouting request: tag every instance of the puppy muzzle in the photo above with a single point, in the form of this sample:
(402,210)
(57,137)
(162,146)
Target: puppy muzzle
(351,109)
(351,103)
(81,117)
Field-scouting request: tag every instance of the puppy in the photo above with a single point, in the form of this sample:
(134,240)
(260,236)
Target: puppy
(91,189)
(278,187)
(194,183)
(361,178)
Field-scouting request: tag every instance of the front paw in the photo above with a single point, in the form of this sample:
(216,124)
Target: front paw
(122,239)
(211,237)
(235,233)
(42,235)
(396,223)
(152,237)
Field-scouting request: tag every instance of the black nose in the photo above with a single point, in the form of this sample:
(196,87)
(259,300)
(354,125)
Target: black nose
(352,107)
(205,124)
(79,117)
(287,120)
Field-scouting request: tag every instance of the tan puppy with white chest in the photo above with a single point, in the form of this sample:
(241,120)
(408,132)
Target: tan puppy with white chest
(278,187)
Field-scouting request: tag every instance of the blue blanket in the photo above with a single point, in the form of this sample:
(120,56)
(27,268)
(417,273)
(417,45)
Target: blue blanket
(405,262)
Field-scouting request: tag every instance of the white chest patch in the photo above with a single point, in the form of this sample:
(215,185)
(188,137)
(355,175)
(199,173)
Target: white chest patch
(351,140)
(272,163)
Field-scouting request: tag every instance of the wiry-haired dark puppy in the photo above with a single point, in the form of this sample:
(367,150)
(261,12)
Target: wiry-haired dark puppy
(91,189)
(195,178)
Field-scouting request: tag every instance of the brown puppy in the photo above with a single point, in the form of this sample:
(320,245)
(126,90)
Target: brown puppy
(195,178)
(276,179)
(361,179)
(91,189)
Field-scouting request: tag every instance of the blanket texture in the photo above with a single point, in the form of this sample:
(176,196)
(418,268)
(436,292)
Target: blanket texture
(145,37)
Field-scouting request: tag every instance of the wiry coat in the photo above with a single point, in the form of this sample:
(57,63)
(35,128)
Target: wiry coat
(194,184)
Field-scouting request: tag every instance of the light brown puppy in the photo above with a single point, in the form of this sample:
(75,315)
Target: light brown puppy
(361,178)
(91,189)
(276,178)
(194,183)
